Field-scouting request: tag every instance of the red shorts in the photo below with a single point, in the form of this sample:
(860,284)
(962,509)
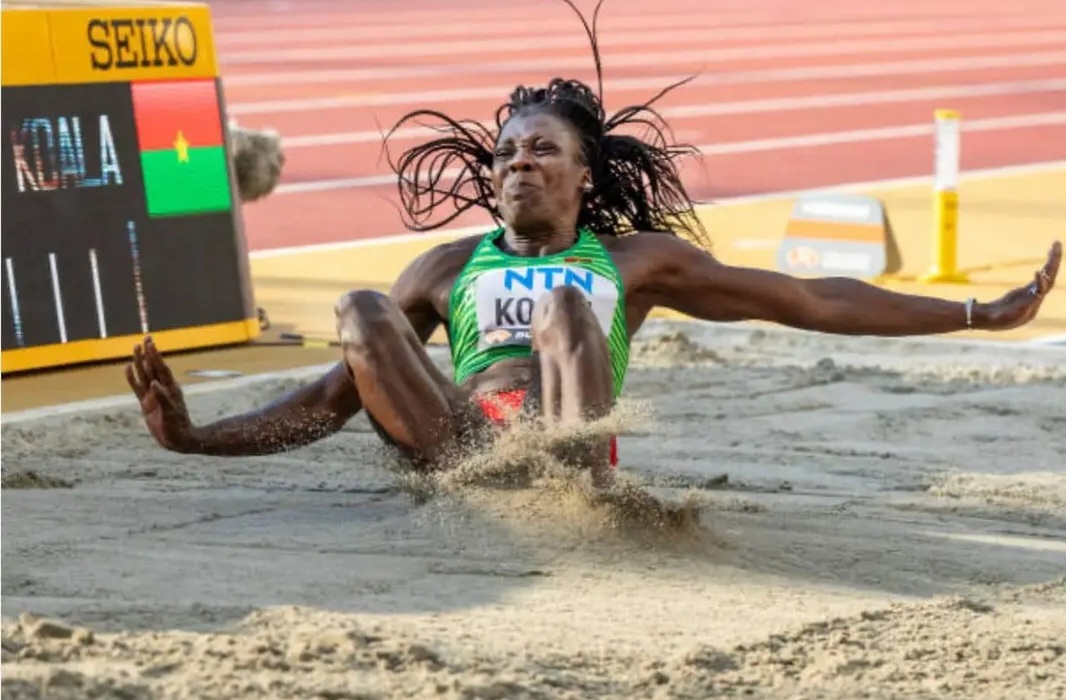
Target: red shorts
(502,406)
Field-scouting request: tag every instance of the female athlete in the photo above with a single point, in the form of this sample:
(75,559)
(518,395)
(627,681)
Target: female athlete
(540,311)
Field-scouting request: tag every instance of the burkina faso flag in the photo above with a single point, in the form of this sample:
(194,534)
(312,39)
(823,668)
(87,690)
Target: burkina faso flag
(183,154)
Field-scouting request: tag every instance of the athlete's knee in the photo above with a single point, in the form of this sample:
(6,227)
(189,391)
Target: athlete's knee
(564,315)
(366,318)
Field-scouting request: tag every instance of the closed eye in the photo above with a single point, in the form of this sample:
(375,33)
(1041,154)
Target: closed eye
(542,148)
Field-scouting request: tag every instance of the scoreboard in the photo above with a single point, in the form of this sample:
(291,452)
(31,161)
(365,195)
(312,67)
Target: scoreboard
(118,199)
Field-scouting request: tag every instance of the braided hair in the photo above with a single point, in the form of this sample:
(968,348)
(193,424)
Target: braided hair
(636,185)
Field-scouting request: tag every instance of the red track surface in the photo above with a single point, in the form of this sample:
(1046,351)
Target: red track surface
(330,74)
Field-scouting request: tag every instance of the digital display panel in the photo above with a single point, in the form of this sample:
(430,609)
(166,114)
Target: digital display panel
(101,236)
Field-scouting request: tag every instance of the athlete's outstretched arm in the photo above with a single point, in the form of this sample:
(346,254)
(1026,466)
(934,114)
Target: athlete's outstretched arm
(693,282)
(303,416)
(310,413)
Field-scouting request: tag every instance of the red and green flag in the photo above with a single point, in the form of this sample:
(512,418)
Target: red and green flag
(183,153)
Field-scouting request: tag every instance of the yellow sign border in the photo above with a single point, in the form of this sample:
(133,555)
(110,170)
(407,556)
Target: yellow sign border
(102,349)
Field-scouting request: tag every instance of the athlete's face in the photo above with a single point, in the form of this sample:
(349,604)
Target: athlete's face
(539,176)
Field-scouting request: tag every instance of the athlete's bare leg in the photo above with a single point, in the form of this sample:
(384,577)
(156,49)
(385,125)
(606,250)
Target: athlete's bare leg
(418,408)
(576,383)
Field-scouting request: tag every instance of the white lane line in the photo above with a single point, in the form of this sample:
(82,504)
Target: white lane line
(579,68)
(299,15)
(649,27)
(401,238)
(500,48)
(613,87)
(755,146)
(780,104)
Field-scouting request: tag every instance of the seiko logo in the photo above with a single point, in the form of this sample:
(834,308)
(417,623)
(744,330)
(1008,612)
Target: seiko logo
(142,43)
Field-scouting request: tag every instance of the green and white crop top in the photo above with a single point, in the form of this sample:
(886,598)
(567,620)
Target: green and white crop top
(491,305)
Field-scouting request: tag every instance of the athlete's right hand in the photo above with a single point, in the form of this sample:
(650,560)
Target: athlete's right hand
(161,399)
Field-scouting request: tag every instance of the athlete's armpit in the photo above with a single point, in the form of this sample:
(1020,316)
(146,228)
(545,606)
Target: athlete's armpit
(423,287)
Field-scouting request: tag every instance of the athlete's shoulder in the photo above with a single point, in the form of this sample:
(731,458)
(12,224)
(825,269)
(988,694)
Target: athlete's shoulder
(430,275)
(445,258)
(649,257)
(645,243)
(666,242)
(459,247)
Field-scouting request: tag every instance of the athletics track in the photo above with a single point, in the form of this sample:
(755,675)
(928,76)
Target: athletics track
(788,99)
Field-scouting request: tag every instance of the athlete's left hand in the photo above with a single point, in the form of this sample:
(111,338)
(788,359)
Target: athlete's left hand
(1019,306)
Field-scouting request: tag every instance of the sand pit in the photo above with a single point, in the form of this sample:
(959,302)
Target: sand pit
(877,519)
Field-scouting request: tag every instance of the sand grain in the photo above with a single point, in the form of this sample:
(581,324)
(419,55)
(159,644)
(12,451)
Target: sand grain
(804,517)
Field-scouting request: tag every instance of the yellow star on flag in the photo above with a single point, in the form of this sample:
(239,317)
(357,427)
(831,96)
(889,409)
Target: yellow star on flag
(182,147)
